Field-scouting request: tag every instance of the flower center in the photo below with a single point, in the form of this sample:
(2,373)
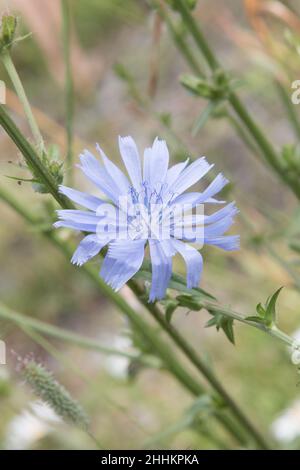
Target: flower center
(147,211)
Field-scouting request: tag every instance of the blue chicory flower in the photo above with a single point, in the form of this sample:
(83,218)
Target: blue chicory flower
(150,206)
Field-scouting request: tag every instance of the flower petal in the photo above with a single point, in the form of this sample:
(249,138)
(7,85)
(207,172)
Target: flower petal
(193,260)
(97,173)
(131,159)
(201,234)
(147,163)
(79,226)
(194,198)
(161,270)
(121,181)
(191,175)
(156,163)
(215,187)
(230,210)
(83,199)
(123,260)
(174,172)
(226,242)
(78,216)
(87,249)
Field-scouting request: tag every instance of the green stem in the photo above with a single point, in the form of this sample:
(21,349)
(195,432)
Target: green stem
(190,59)
(32,159)
(69,87)
(290,108)
(202,367)
(178,39)
(272,331)
(13,75)
(65,335)
(262,141)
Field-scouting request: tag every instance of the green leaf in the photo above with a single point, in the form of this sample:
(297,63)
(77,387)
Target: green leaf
(227,327)
(270,316)
(204,116)
(197,86)
(221,322)
(170,307)
(267,314)
(260,310)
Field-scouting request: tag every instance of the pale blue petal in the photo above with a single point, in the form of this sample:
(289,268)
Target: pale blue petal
(212,200)
(78,216)
(121,181)
(79,226)
(161,270)
(226,242)
(230,210)
(156,163)
(131,159)
(123,260)
(191,175)
(83,199)
(193,260)
(215,187)
(195,198)
(96,172)
(89,247)
(198,234)
(147,163)
(190,199)
(174,172)
(218,228)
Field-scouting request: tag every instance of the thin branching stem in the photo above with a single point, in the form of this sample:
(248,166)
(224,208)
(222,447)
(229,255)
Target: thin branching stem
(270,154)
(69,86)
(289,107)
(65,335)
(16,81)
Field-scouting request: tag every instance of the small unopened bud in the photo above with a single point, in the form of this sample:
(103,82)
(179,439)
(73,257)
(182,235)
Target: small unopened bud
(186,300)
(8,27)
(54,394)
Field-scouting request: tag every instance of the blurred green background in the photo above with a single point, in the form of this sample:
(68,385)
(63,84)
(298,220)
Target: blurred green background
(130,406)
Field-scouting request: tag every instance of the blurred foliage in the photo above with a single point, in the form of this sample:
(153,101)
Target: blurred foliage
(130,404)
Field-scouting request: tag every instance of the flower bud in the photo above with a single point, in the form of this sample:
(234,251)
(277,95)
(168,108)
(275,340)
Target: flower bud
(8,27)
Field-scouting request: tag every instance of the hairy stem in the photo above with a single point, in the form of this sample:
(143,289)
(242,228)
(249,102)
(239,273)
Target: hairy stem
(69,87)
(202,367)
(14,76)
(254,130)
(290,108)
(64,335)
(32,159)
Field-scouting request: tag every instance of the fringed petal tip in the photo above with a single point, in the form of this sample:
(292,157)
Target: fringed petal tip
(57,224)
(77,262)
